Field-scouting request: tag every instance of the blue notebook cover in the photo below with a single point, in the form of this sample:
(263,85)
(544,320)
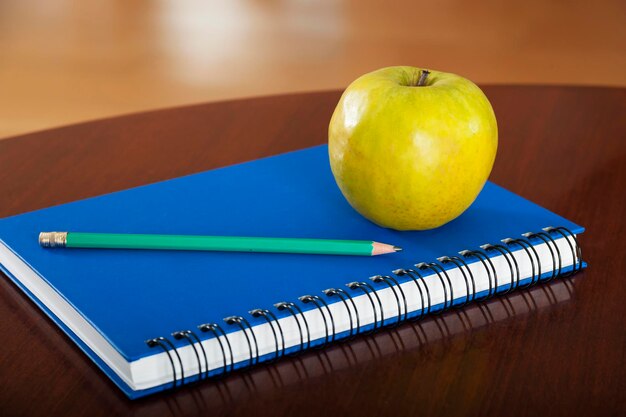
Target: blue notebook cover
(132,296)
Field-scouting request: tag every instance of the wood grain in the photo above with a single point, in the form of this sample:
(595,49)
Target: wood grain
(562,147)
(68,61)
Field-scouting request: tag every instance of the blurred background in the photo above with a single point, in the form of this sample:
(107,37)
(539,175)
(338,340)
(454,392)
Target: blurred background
(67,61)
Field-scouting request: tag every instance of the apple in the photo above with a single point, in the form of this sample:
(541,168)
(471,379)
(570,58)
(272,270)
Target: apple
(411,148)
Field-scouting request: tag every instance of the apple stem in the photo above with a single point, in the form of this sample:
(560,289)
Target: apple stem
(423,76)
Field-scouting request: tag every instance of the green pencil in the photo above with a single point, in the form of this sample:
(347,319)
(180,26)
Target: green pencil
(214,243)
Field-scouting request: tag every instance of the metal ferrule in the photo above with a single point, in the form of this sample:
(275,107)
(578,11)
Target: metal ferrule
(53,239)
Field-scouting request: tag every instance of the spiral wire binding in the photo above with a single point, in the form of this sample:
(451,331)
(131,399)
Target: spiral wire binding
(417,279)
(396,285)
(437,268)
(460,264)
(283,305)
(370,290)
(527,247)
(193,339)
(164,344)
(343,296)
(330,334)
(260,312)
(386,279)
(505,251)
(547,239)
(484,260)
(218,332)
(559,230)
(394,282)
(239,322)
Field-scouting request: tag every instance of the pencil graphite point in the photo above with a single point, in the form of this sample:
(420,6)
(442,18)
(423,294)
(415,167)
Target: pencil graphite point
(383,248)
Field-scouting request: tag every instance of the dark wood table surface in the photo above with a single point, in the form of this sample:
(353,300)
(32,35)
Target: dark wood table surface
(558,351)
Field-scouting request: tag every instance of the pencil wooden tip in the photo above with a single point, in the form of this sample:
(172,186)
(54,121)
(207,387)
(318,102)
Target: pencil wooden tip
(383,248)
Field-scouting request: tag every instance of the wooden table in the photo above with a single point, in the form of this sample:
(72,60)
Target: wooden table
(562,147)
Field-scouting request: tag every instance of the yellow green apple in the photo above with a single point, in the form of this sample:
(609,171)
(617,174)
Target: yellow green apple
(410,148)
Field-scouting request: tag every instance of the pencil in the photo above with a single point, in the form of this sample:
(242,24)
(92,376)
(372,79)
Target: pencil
(214,243)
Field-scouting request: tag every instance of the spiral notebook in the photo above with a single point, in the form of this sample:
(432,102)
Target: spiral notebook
(158,320)
(414,336)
